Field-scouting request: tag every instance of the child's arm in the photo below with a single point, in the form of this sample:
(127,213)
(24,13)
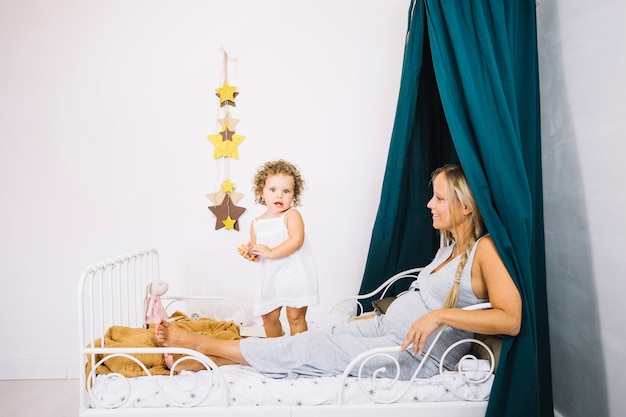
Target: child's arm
(295,239)
(252,241)
(245,250)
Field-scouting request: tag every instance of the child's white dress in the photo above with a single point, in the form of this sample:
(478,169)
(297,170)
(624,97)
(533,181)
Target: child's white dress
(290,281)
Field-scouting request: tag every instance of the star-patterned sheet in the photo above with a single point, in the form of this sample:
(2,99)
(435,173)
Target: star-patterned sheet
(246,387)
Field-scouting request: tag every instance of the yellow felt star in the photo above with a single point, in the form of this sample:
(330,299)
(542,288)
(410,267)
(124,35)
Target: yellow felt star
(226,148)
(228,122)
(229,224)
(226,94)
(228,186)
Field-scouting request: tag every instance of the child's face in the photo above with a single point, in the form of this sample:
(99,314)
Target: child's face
(278,192)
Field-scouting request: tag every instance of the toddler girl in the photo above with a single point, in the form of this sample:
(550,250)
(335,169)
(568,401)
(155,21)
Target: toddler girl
(286,274)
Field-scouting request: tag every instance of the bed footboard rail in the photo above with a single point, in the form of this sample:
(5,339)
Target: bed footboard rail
(118,391)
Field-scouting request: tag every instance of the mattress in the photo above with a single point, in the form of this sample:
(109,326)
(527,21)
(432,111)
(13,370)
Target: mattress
(247,387)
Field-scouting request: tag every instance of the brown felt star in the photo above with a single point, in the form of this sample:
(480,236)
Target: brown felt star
(227,134)
(226,213)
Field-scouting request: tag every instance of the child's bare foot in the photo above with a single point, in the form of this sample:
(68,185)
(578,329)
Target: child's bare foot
(186,365)
(169,360)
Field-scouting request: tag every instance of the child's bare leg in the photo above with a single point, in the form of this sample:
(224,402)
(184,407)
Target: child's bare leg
(271,323)
(170,335)
(297,319)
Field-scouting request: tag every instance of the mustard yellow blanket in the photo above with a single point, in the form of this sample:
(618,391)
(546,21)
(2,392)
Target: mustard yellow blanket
(119,337)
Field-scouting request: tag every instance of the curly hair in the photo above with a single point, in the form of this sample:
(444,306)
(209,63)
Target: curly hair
(280,167)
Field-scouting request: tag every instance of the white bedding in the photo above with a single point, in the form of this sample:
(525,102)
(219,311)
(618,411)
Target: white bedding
(247,387)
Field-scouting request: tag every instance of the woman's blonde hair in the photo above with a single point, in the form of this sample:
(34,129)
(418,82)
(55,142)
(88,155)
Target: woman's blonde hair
(459,189)
(280,167)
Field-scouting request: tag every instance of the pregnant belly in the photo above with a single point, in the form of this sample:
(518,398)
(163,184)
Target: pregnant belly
(402,313)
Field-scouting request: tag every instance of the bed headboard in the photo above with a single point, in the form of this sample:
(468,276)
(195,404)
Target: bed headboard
(113,293)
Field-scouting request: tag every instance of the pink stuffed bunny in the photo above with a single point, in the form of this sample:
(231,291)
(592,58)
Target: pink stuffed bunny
(155,312)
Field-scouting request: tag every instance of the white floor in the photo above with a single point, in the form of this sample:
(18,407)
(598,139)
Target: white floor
(39,398)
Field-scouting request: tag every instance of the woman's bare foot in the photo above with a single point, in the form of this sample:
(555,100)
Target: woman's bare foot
(169,335)
(222,352)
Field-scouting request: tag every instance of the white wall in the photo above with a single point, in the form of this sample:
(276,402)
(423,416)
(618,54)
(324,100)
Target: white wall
(104,111)
(582,60)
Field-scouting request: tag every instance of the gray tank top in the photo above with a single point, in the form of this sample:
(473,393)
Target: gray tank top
(434,287)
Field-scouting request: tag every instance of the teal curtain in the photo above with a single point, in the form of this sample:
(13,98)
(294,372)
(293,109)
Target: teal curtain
(470,92)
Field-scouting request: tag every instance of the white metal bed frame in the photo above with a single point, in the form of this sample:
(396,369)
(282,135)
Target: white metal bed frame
(124,280)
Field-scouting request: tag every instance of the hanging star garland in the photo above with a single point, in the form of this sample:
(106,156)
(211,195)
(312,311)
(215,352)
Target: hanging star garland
(226,142)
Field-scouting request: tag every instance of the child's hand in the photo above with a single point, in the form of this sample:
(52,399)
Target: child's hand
(261,251)
(244,250)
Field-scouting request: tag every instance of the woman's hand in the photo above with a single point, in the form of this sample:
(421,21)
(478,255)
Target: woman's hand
(419,332)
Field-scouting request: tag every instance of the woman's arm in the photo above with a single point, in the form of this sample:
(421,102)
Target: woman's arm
(505,316)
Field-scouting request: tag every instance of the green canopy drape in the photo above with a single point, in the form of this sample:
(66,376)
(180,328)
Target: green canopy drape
(470,92)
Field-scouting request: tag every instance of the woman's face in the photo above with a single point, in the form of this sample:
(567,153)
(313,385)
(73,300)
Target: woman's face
(278,192)
(440,206)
